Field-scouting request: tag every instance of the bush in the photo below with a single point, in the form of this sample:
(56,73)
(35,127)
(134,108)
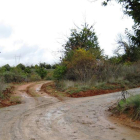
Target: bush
(59,72)
(34,77)
(81,65)
(42,72)
(131,107)
(133,77)
(3,86)
(13,77)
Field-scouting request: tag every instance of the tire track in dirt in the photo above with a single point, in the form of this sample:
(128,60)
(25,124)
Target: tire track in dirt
(47,118)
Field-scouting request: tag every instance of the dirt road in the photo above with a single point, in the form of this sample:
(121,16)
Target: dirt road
(47,118)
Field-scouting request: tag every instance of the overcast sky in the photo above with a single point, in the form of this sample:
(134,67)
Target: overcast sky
(33,31)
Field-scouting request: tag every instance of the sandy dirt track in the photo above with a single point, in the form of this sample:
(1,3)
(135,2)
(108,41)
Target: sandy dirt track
(47,118)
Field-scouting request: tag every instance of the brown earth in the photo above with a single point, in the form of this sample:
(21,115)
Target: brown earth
(7,92)
(48,118)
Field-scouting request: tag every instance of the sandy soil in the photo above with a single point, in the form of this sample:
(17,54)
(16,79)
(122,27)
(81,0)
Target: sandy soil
(47,118)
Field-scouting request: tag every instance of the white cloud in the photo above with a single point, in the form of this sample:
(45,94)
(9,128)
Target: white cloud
(5,31)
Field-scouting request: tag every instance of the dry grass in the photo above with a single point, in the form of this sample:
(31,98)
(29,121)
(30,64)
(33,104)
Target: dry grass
(130,108)
(31,92)
(15,99)
(50,89)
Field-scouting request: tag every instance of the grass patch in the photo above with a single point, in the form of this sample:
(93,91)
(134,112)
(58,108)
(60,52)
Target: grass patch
(15,99)
(72,87)
(51,89)
(130,107)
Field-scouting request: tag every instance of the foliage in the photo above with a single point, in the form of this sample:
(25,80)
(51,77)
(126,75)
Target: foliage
(3,86)
(59,72)
(133,77)
(44,65)
(82,53)
(22,73)
(27,70)
(20,66)
(131,106)
(13,77)
(83,38)
(115,59)
(15,99)
(50,75)
(7,67)
(81,64)
(34,77)
(54,66)
(42,72)
(106,76)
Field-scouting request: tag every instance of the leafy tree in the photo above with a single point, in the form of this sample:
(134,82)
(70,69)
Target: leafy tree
(42,65)
(7,67)
(83,38)
(42,72)
(59,72)
(54,66)
(82,52)
(27,69)
(36,66)
(48,66)
(21,66)
(115,59)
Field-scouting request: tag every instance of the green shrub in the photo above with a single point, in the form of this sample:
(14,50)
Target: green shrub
(34,77)
(50,75)
(131,107)
(42,72)
(13,77)
(59,72)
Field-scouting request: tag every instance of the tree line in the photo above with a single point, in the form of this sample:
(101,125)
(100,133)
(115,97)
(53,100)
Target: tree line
(21,73)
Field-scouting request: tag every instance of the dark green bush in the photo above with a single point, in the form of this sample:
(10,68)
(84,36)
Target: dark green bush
(59,72)
(42,72)
(13,77)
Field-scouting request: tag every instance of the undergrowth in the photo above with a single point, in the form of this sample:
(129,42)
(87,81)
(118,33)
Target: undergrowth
(130,107)
(3,87)
(15,99)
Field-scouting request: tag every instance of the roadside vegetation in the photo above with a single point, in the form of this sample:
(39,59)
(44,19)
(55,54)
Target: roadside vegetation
(11,75)
(22,73)
(5,93)
(129,106)
(85,69)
